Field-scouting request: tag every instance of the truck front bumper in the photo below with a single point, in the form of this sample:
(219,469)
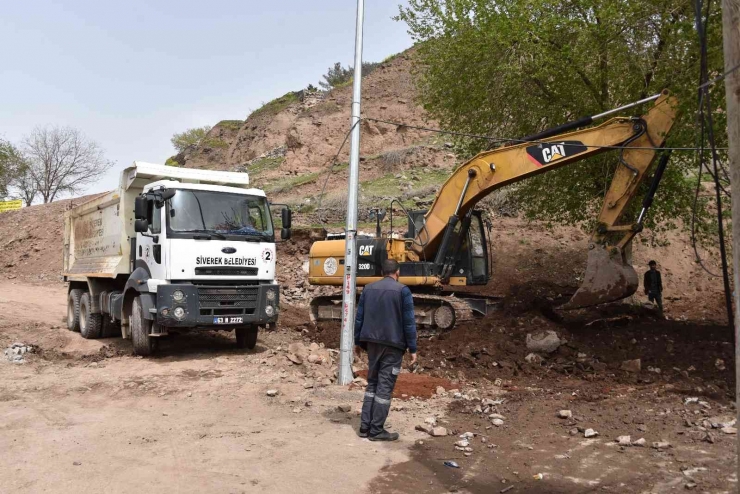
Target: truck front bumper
(190,306)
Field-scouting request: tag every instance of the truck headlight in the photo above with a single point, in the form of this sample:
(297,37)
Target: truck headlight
(179,313)
(270,295)
(269,310)
(178,296)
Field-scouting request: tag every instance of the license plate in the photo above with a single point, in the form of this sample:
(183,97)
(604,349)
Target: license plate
(228,320)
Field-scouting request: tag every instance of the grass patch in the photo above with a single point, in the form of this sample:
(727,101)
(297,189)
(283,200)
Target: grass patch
(214,142)
(388,185)
(265,164)
(277,105)
(231,124)
(288,183)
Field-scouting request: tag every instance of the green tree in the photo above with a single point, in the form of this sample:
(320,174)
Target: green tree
(190,137)
(512,68)
(337,75)
(12,166)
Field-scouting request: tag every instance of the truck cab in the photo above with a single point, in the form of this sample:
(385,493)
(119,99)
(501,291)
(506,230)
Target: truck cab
(196,250)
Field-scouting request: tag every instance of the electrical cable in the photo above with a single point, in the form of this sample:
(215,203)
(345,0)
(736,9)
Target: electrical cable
(707,122)
(328,173)
(520,141)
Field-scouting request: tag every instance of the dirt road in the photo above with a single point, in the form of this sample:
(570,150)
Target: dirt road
(87,416)
(192,420)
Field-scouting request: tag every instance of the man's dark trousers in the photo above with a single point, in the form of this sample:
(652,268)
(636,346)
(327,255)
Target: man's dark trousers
(384,366)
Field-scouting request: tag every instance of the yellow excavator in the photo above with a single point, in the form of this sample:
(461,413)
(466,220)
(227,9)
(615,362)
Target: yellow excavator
(447,247)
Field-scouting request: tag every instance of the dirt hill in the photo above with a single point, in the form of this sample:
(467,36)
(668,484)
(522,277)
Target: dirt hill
(285,146)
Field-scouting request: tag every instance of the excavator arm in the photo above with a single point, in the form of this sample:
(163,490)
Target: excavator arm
(428,259)
(608,274)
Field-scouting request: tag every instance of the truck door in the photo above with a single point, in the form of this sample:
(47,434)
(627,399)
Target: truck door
(150,249)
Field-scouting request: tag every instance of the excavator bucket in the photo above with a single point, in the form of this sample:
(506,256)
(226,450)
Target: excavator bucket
(608,278)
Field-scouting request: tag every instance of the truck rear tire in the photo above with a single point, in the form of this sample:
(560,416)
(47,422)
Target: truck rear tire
(246,337)
(73,309)
(90,324)
(140,331)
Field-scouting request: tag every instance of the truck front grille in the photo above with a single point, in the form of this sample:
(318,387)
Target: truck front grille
(228,301)
(227,271)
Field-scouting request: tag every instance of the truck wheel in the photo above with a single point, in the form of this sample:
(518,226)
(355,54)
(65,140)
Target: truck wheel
(140,329)
(90,324)
(73,309)
(246,337)
(111,328)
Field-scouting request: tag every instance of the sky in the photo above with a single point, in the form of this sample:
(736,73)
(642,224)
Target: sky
(131,74)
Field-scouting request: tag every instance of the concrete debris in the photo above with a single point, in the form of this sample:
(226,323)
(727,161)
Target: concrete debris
(294,358)
(722,421)
(431,421)
(462,443)
(467,435)
(314,359)
(16,352)
(497,422)
(424,428)
(640,442)
(590,433)
(272,392)
(624,440)
(344,408)
(438,432)
(719,364)
(307,385)
(565,414)
(729,430)
(631,365)
(533,358)
(440,391)
(661,445)
(496,416)
(545,341)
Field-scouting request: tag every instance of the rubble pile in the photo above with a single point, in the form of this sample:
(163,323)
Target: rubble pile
(17,352)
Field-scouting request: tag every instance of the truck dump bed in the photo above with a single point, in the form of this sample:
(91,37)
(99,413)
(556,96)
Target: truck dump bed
(97,233)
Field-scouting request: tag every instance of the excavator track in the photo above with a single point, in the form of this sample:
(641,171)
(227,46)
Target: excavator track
(440,312)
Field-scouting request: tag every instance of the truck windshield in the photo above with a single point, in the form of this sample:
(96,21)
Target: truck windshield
(201,211)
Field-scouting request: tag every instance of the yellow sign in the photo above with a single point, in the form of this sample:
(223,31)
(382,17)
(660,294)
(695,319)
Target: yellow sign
(10,205)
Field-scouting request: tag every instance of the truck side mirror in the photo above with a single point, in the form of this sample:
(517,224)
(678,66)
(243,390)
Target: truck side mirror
(141,208)
(286,215)
(141,225)
(168,194)
(285,234)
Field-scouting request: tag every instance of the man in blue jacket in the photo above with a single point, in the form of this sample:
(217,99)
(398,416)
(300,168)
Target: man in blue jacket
(384,327)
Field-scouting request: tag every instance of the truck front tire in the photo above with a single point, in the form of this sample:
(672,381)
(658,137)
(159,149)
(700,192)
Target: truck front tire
(90,324)
(140,330)
(73,309)
(246,337)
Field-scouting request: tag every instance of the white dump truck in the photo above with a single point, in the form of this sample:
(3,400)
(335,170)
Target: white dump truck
(172,249)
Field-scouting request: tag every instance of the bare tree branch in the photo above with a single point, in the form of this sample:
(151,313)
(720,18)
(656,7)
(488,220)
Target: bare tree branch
(62,160)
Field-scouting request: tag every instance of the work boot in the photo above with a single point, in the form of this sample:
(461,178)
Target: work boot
(384,435)
(363,432)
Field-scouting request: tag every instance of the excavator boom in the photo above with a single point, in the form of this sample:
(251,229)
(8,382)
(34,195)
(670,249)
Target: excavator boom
(446,247)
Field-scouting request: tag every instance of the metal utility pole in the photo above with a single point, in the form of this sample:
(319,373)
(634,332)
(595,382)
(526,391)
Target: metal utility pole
(731,42)
(346,345)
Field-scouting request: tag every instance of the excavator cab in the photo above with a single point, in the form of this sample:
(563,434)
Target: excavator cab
(472,262)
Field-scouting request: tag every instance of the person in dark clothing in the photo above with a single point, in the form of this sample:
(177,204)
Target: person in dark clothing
(653,285)
(385,327)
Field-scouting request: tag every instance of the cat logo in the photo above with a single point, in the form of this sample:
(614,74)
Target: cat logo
(366,250)
(549,152)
